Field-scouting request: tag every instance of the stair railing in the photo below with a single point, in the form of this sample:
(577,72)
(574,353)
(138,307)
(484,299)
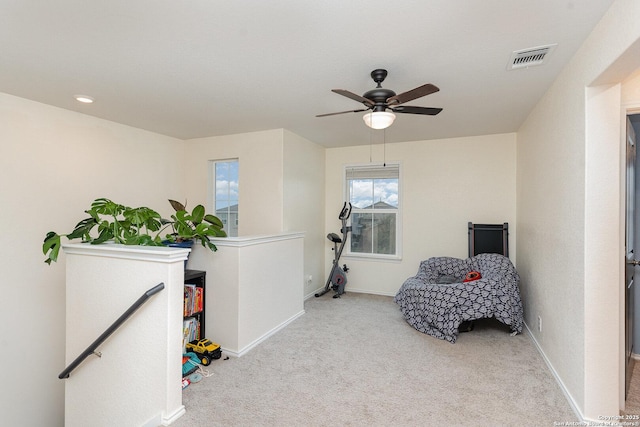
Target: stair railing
(110,330)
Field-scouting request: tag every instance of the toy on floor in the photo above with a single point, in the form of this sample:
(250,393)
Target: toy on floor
(190,363)
(205,349)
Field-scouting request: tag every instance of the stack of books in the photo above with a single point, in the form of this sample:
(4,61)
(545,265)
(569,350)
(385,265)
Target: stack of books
(190,331)
(193,304)
(192,300)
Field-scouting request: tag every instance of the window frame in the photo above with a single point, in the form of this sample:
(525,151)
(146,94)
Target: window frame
(398,212)
(212,199)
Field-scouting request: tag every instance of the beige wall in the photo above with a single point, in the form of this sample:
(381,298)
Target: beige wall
(102,282)
(631,91)
(260,156)
(281,186)
(444,185)
(569,215)
(53,164)
(304,170)
(254,288)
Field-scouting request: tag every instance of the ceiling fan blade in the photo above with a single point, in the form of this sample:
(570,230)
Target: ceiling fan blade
(342,112)
(351,95)
(424,90)
(429,111)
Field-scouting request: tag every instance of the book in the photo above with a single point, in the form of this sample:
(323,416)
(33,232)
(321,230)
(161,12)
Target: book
(189,299)
(190,331)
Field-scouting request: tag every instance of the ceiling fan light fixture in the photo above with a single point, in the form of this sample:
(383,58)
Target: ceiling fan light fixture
(379,119)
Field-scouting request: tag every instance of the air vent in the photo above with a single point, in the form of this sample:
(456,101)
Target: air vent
(529,57)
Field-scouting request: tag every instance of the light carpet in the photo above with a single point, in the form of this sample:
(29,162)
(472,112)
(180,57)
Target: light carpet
(632,404)
(354,361)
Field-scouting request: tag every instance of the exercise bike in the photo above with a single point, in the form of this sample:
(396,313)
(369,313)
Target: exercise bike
(337,277)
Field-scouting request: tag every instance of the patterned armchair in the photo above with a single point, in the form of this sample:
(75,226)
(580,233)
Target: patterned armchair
(436,300)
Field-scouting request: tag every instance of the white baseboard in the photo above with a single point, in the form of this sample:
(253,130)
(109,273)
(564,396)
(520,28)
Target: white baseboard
(355,291)
(254,343)
(154,422)
(567,394)
(368,291)
(173,417)
(313,294)
(160,420)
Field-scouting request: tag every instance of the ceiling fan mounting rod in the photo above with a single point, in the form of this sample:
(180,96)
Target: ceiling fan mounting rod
(378,76)
(379,95)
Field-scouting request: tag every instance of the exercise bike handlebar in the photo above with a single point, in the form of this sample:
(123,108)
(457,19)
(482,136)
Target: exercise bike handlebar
(345,213)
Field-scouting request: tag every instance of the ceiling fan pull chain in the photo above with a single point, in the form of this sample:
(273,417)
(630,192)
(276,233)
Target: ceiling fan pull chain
(370,145)
(384,148)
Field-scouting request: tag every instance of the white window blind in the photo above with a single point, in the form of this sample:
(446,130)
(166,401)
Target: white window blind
(372,172)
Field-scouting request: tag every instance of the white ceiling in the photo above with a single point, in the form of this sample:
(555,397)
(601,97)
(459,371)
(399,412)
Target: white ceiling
(200,68)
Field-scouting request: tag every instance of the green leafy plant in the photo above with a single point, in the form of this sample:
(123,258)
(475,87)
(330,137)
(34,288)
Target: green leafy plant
(137,226)
(194,225)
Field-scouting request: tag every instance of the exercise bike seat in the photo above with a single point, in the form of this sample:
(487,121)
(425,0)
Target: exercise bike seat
(334,238)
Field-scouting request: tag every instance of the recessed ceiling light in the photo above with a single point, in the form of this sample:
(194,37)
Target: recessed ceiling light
(84,99)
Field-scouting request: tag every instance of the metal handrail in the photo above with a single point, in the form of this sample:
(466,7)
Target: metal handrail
(111,329)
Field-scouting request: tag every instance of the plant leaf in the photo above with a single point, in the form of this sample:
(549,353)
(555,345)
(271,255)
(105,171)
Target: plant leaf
(105,235)
(107,207)
(177,206)
(143,217)
(52,245)
(197,214)
(203,230)
(146,240)
(210,245)
(83,228)
(214,220)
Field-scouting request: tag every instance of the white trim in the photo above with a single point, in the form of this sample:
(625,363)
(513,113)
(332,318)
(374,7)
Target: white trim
(373,257)
(239,242)
(628,108)
(173,417)
(163,254)
(355,291)
(397,212)
(370,292)
(313,294)
(212,188)
(264,337)
(564,389)
(155,421)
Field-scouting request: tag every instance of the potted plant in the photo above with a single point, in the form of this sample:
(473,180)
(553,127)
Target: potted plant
(117,223)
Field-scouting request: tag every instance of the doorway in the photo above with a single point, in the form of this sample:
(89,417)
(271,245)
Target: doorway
(631,243)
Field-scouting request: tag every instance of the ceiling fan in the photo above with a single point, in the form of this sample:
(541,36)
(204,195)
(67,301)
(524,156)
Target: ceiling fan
(379,100)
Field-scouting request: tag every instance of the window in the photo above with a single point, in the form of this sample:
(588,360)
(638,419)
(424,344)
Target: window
(225,194)
(373,191)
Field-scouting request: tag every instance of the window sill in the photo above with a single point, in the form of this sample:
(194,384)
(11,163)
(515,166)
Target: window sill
(373,257)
